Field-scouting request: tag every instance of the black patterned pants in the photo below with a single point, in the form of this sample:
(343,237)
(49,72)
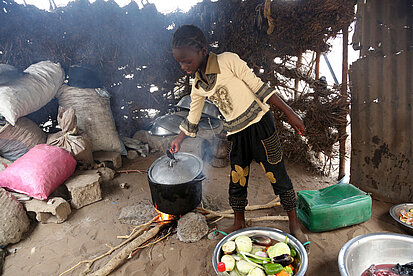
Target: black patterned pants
(258,142)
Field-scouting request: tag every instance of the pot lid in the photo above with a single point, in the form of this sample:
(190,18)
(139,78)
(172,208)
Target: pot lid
(160,131)
(170,122)
(209,109)
(184,169)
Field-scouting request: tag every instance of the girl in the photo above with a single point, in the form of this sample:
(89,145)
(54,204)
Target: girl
(243,100)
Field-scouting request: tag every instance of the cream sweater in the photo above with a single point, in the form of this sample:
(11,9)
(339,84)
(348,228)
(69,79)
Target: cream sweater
(232,86)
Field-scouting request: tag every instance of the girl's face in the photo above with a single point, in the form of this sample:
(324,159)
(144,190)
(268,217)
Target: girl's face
(190,58)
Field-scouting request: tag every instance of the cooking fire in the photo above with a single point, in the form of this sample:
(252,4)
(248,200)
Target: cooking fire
(165,218)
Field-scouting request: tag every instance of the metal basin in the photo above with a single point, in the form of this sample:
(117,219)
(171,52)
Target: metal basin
(209,110)
(169,122)
(157,130)
(273,233)
(361,252)
(395,213)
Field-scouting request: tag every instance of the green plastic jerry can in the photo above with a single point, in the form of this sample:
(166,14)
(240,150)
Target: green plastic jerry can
(337,206)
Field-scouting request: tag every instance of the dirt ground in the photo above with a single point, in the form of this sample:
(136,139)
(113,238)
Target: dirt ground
(50,249)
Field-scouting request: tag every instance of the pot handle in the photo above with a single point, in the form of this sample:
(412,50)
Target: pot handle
(200,177)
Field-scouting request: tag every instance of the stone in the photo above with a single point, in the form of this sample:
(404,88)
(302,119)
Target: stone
(2,259)
(138,214)
(220,146)
(106,174)
(192,227)
(140,147)
(156,143)
(132,154)
(112,158)
(210,202)
(54,210)
(218,162)
(84,188)
(124,185)
(13,219)
(197,146)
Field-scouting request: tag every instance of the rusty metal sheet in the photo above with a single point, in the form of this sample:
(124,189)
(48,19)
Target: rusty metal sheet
(382,98)
(381,113)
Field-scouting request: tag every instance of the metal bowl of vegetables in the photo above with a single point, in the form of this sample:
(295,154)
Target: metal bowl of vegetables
(403,215)
(260,251)
(375,252)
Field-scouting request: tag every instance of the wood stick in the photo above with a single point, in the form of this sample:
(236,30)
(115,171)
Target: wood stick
(133,235)
(266,218)
(131,171)
(212,214)
(122,255)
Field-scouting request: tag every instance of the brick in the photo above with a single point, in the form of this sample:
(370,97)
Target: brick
(84,188)
(107,174)
(53,210)
(108,156)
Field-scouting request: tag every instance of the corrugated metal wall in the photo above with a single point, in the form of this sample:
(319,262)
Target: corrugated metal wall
(382,99)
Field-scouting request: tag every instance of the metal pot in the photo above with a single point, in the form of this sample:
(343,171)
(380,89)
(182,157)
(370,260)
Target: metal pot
(176,185)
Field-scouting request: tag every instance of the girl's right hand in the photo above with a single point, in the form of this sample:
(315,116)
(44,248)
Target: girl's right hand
(175,145)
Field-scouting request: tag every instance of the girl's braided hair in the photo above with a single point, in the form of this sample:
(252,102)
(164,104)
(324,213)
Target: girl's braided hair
(189,35)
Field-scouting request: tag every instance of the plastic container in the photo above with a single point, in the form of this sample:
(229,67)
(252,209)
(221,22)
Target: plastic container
(337,206)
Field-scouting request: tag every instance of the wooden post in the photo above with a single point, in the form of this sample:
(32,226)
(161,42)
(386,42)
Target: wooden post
(297,79)
(342,129)
(317,65)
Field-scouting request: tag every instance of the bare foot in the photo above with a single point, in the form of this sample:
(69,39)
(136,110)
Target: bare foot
(301,236)
(234,227)
(239,223)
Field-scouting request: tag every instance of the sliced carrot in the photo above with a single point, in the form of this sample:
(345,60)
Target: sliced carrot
(282,273)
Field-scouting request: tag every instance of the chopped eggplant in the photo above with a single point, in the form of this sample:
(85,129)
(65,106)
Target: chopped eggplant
(284,259)
(261,240)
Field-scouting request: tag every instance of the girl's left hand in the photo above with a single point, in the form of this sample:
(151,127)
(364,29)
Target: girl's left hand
(296,122)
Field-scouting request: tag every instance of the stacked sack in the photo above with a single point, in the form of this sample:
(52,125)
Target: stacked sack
(28,165)
(22,93)
(84,116)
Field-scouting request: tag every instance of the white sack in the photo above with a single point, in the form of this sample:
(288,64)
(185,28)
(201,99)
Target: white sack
(30,92)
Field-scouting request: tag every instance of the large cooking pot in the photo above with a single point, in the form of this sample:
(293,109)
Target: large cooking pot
(176,185)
